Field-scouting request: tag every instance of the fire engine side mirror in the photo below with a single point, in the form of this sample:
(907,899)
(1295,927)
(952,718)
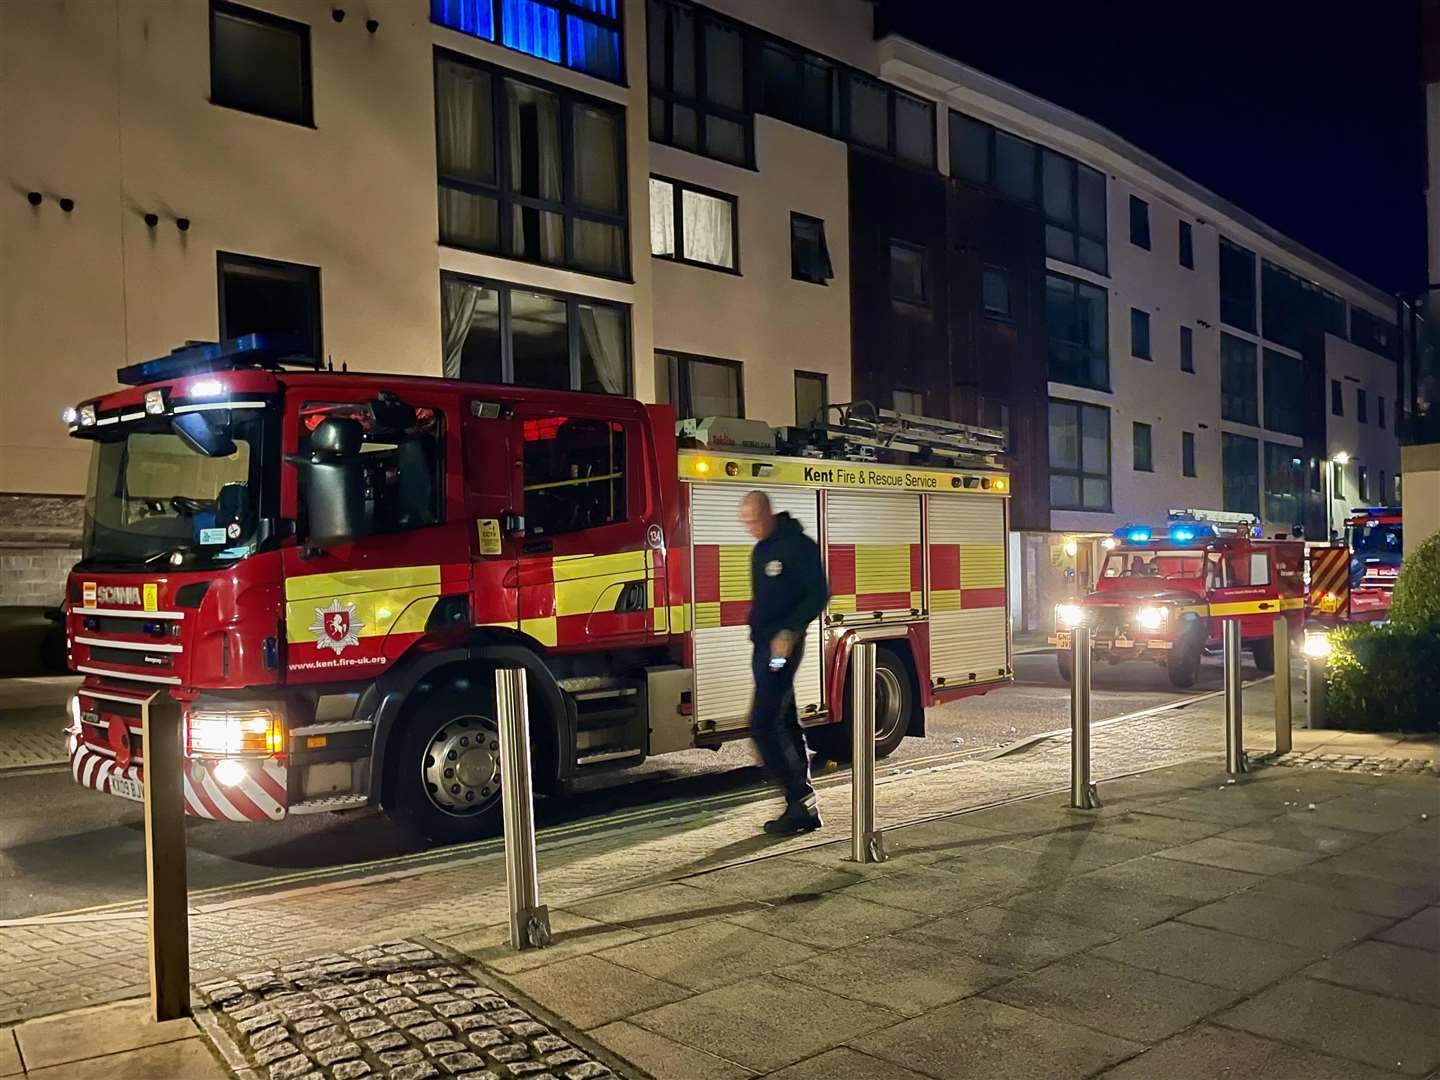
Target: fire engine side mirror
(332,484)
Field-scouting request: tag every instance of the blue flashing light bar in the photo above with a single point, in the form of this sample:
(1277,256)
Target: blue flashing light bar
(1184,533)
(250,350)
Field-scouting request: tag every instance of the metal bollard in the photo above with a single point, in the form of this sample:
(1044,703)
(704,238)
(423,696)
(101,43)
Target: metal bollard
(867,845)
(529,920)
(1234,722)
(165,883)
(1283,714)
(1083,795)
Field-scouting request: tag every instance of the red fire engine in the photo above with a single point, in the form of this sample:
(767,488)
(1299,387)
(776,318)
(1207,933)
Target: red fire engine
(1162,594)
(325,568)
(1374,538)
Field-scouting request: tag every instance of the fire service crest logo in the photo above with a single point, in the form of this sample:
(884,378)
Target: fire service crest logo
(336,627)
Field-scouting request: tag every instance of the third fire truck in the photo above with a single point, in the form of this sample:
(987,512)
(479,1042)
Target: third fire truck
(1163,592)
(325,569)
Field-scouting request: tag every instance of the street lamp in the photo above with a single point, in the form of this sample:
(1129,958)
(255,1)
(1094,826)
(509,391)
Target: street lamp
(1341,458)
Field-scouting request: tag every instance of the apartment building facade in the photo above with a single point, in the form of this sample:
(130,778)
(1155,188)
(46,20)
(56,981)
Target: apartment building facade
(463,187)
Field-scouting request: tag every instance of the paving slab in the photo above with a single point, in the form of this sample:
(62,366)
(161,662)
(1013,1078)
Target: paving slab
(979,1039)
(589,990)
(1139,825)
(777,1021)
(1318,885)
(907,976)
(1087,847)
(1101,904)
(1003,870)
(1367,817)
(658,909)
(1318,928)
(190,1059)
(1017,939)
(1213,806)
(89,1033)
(942,838)
(1215,1053)
(709,955)
(1169,877)
(828,920)
(937,889)
(573,936)
(1385,968)
(1386,866)
(1131,1003)
(1384,1032)
(1205,955)
(665,1059)
(1421,930)
(774,879)
(1234,855)
(1298,833)
(9,1053)
(843,1063)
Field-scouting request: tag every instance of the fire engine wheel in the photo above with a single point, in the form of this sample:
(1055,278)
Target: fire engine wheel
(1183,664)
(448,780)
(1264,653)
(1065,664)
(894,700)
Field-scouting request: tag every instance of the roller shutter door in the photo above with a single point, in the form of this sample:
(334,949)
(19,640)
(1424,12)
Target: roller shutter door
(968,623)
(874,552)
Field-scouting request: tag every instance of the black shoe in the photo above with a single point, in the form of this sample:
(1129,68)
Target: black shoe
(797,818)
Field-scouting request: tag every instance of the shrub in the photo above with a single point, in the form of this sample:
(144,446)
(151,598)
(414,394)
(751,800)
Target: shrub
(1416,603)
(1384,678)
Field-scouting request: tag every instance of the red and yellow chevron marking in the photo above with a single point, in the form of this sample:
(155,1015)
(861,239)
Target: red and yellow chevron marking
(389,600)
(1330,580)
(875,577)
(966,576)
(722,585)
(570,599)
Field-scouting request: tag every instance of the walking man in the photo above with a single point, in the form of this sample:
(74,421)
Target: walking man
(788,590)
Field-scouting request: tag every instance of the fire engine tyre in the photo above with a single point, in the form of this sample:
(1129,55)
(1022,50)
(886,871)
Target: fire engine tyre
(894,700)
(1263,650)
(1065,664)
(1183,664)
(447,781)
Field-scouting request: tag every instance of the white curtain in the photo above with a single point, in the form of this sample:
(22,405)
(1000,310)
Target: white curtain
(708,229)
(459,301)
(602,335)
(662,217)
(463,104)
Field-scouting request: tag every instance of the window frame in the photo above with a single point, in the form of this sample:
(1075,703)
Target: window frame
(1337,398)
(1362,482)
(1187,349)
(1362,406)
(1187,245)
(1240,252)
(1137,430)
(926,299)
(1081,473)
(506,200)
(278,22)
(1139,222)
(1272,501)
(1280,391)
(664,90)
(677,189)
(891,149)
(255,262)
(1227,475)
(1102,238)
(565,10)
(1187,455)
(628,431)
(995,314)
(1140,319)
(1251,417)
(1086,351)
(824,381)
(573,303)
(679,390)
(823,253)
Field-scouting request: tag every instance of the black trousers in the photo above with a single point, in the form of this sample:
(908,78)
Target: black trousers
(775,725)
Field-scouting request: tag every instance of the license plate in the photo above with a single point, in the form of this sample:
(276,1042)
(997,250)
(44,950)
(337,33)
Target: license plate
(127,788)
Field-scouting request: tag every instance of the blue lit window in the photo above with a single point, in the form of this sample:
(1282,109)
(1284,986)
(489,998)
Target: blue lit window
(584,35)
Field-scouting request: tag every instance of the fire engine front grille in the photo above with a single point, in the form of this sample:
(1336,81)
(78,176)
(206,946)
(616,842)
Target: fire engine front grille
(1109,622)
(130,657)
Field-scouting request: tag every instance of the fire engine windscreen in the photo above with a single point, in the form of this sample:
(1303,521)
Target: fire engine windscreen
(192,496)
(1156,564)
(1376,540)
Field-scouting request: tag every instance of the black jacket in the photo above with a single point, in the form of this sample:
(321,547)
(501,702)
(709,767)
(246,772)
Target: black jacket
(787,582)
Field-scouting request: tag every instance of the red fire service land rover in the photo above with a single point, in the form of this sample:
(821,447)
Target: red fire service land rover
(1163,592)
(326,568)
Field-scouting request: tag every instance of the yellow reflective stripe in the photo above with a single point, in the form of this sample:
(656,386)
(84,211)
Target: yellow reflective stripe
(843,604)
(542,630)
(707,615)
(734,572)
(324,586)
(573,483)
(679,618)
(1292,603)
(944,599)
(982,566)
(1246,607)
(914,598)
(882,568)
(386,601)
(574,567)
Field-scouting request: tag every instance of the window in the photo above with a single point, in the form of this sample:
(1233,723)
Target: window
(1239,381)
(1187,349)
(532,172)
(1362,481)
(1239,467)
(1361,410)
(1337,398)
(260,63)
(574,474)
(1284,481)
(1144,460)
(1187,453)
(692,225)
(700,386)
(908,278)
(1187,246)
(584,35)
(1369,332)
(261,296)
(1337,480)
(1381,485)
(496,333)
(809,254)
(401,449)
(1380,416)
(1140,333)
(1237,286)
(1079,456)
(882,118)
(795,86)
(914,130)
(1005,163)
(812,395)
(1139,222)
(1073,198)
(1016,167)
(697,84)
(995,293)
(971,149)
(1284,379)
(1077,327)
(910,402)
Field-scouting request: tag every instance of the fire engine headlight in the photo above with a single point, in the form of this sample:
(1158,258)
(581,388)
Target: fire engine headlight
(211,732)
(1069,615)
(87,415)
(1151,618)
(154,402)
(1317,646)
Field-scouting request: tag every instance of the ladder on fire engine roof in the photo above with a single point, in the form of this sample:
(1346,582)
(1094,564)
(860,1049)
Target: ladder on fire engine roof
(860,429)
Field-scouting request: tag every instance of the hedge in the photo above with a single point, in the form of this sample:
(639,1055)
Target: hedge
(1384,678)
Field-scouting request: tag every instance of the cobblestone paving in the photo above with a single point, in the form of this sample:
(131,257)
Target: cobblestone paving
(393,1011)
(1380,766)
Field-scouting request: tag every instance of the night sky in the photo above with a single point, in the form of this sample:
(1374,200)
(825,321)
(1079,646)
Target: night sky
(1307,113)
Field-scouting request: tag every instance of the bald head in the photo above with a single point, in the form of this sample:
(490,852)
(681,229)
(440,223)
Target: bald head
(756,514)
